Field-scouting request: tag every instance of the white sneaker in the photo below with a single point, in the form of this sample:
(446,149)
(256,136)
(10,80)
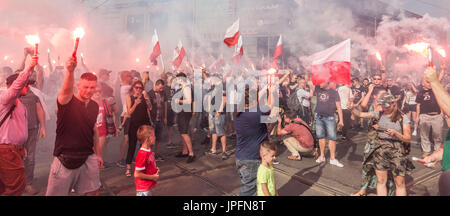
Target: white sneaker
(414,133)
(336,163)
(320,160)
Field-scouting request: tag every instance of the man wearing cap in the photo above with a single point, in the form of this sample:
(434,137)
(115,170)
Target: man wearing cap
(13,133)
(430,118)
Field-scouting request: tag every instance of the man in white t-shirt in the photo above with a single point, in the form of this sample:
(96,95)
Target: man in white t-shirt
(304,96)
(346,95)
(125,86)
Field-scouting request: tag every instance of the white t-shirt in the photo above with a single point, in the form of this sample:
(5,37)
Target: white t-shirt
(124,93)
(345,93)
(303,96)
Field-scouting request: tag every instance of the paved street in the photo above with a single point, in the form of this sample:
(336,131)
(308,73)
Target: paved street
(211,176)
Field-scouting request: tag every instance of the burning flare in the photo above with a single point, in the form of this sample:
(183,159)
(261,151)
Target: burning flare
(421,48)
(32,39)
(378,55)
(441,52)
(78,33)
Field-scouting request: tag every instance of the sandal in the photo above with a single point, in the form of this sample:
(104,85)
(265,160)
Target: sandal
(128,172)
(359,193)
(296,158)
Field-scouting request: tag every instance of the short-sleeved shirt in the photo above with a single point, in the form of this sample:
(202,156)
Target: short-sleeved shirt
(265,175)
(157,99)
(300,133)
(385,123)
(124,93)
(427,101)
(30,100)
(357,93)
(303,96)
(326,101)
(145,162)
(75,127)
(250,133)
(345,93)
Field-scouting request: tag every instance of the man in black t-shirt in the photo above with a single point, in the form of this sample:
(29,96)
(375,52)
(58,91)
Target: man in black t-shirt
(358,93)
(328,102)
(159,113)
(429,119)
(77,156)
(395,90)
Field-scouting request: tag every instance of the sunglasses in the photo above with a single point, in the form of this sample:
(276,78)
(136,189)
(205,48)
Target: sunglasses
(376,78)
(138,88)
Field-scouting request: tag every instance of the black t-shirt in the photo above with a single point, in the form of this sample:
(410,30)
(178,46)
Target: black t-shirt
(397,92)
(75,128)
(427,101)
(357,93)
(326,101)
(157,112)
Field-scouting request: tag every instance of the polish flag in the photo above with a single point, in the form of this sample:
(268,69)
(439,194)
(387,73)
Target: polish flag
(239,52)
(232,34)
(156,49)
(178,55)
(332,64)
(278,49)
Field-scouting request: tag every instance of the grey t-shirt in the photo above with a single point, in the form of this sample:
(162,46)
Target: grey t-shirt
(30,100)
(385,123)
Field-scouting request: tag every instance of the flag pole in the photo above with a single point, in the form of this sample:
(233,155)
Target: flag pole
(162,62)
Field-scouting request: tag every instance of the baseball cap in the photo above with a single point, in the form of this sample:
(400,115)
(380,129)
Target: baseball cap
(386,99)
(104,72)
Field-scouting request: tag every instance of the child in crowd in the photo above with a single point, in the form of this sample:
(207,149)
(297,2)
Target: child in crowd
(146,173)
(265,178)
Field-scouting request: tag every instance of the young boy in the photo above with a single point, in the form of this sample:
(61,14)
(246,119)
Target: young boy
(265,178)
(146,173)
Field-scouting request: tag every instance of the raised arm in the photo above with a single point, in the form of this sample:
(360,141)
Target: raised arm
(26,52)
(50,65)
(442,73)
(10,95)
(66,93)
(365,101)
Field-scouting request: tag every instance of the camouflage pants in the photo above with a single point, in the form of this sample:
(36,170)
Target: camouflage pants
(369,178)
(390,155)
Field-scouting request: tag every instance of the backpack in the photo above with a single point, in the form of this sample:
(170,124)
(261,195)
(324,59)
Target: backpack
(313,134)
(293,103)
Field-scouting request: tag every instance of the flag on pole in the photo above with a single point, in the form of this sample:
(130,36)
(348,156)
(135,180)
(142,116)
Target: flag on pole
(239,52)
(178,55)
(156,50)
(232,34)
(278,52)
(332,64)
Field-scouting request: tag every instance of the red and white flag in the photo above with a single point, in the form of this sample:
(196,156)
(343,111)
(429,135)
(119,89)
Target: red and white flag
(239,52)
(178,55)
(156,50)
(278,52)
(232,34)
(278,49)
(332,64)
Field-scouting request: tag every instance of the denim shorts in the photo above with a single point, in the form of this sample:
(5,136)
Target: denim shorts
(217,124)
(247,171)
(325,127)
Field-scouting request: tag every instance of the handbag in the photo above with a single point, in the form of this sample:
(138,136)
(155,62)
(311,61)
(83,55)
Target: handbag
(110,127)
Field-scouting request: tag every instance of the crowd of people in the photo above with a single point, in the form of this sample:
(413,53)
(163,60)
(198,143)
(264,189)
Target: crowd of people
(89,110)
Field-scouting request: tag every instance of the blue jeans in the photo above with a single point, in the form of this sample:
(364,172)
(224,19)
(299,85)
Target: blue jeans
(325,127)
(247,170)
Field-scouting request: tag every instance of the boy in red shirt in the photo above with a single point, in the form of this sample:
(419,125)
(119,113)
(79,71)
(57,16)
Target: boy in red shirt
(146,173)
